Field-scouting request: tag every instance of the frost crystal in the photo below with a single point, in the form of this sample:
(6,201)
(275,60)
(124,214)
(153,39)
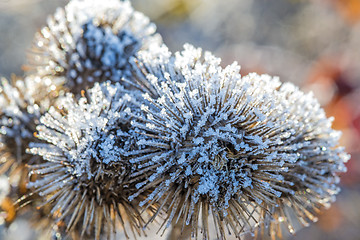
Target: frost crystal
(91,41)
(236,148)
(86,171)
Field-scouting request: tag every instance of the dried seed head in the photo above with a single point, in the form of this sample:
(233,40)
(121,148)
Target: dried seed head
(234,148)
(91,41)
(86,179)
(19,114)
(20,110)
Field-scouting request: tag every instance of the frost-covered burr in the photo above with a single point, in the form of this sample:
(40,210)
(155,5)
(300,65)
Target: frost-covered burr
(85,179)
(235,152)
(91,41)
(22,101)
(20,110)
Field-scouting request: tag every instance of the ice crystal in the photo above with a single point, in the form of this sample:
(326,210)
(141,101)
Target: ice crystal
(237,149)
(86,177)
(91,41)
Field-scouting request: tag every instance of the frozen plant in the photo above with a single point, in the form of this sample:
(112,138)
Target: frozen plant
(91,41)
(235,151)
(20,110)
(18,116)
(86,175)
(22,101)
(147,136)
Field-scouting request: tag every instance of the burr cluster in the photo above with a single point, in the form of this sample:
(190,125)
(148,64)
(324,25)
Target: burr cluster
(109,133)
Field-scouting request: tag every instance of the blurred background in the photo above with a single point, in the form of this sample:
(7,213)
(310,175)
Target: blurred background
(315,44)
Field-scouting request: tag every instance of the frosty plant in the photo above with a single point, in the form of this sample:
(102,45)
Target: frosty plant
(20,109)
(91,41)
(19,115)
(86,178)
(245,151)
(125,134)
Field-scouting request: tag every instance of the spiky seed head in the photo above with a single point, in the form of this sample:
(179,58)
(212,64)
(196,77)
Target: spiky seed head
(86,177)
(241,150)
(91,41)
(19,113)
(22,101)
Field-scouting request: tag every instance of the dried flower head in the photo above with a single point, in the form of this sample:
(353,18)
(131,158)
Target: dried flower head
(91,41)
(239,151)
(86,177)
(19,114)
(20,110)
